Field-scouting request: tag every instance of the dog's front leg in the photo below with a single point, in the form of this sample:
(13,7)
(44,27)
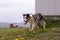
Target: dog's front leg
(32,27)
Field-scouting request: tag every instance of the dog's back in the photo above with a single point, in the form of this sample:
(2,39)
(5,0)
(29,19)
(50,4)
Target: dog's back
(38,17)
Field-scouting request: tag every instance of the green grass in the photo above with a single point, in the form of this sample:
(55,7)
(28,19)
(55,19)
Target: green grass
(55,23)
(51,31)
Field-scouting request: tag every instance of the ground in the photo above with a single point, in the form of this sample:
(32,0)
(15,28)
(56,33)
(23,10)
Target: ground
(51,32)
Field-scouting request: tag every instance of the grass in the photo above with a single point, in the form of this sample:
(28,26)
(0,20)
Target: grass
(51,32)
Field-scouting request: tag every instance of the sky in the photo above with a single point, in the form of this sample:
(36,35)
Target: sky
(11,10)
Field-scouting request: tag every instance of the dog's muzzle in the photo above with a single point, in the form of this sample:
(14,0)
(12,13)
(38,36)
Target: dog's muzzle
(25,21)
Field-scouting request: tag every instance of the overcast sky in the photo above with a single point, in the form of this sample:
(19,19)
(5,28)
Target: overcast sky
(11,10)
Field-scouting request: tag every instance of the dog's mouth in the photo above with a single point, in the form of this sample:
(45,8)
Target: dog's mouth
(25,22)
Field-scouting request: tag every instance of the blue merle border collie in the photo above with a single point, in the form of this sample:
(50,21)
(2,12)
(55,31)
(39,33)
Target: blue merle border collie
(34,20)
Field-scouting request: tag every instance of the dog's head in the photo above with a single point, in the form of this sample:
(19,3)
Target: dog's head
(26,18)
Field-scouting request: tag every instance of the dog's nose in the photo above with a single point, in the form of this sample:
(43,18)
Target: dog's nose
(24,20)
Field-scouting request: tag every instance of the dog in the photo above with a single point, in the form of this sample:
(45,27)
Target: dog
(34,20)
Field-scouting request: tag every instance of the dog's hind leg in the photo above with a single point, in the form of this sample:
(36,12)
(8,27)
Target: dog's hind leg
(30,27)
(43,23)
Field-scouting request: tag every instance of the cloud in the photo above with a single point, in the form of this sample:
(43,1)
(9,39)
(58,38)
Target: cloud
(12,10)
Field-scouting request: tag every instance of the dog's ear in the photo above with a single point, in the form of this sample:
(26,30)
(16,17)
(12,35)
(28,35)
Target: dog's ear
(31,14)
(23,14)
